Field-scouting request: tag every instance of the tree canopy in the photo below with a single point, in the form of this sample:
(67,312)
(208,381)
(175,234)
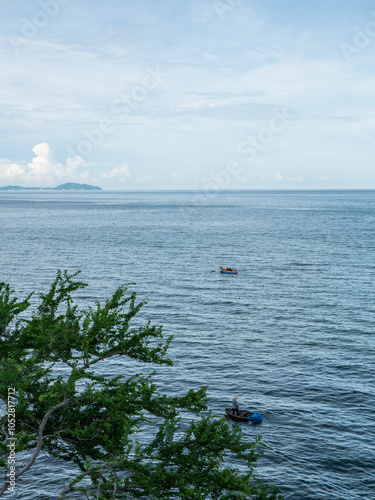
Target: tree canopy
(96,422)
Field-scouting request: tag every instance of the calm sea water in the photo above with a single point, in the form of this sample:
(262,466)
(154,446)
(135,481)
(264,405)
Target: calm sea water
(292,335)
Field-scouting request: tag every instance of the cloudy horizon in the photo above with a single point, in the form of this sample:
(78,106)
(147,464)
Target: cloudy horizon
(159,95)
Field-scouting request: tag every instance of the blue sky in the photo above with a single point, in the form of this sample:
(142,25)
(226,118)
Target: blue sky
(199,94)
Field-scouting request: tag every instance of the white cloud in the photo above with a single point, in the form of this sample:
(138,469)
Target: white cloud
(143,178)
(119,174)
(43,170)
(274,178)
(178,179)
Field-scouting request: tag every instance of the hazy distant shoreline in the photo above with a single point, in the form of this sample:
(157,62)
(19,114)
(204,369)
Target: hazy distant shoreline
(68,186)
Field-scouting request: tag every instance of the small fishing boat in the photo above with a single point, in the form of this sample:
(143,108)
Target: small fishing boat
(245,416)
(227,270)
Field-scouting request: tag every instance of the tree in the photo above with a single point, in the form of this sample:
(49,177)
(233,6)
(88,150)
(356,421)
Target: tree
(94,421)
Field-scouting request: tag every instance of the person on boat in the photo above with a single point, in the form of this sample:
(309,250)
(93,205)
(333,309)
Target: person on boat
(235,408)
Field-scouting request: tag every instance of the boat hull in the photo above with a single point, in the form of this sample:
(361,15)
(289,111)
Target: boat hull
(228,272)
(245,416)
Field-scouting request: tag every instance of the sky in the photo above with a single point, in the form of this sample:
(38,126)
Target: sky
(188,94)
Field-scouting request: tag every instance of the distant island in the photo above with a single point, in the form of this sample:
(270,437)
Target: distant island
(68,186)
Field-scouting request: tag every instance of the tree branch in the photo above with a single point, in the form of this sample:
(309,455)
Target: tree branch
(70,487)
(97,496)
(4,427)
(4,487)
(115,488)
(40,437)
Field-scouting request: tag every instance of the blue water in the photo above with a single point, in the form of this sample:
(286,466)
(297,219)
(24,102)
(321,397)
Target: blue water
(292,335)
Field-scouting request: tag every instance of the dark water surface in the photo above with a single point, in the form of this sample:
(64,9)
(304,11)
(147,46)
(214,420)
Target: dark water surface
(292,335)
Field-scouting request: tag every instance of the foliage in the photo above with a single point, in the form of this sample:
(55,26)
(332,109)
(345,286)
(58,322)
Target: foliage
(96,422)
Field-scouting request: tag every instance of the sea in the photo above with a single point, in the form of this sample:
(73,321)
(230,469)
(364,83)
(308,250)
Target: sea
(292,335)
